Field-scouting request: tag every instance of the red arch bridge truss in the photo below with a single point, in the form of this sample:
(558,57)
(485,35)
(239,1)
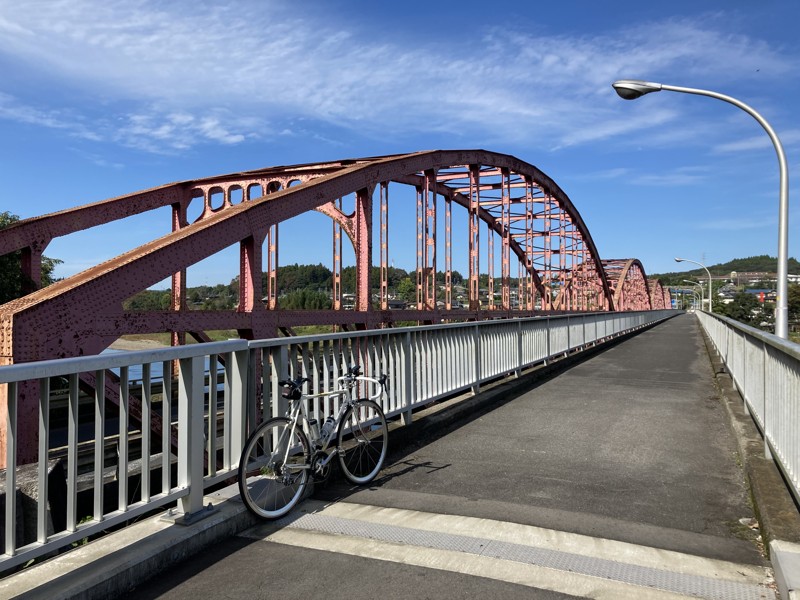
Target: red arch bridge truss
(521,230)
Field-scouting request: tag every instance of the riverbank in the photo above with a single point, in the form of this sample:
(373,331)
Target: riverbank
(126,344)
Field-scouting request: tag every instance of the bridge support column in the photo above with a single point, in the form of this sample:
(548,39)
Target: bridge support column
(384,249)
(250,273)
(474,237)
(31,265)
(426,243)
(505,238)
(337,258)
(363,227)
(24,439)
(272,267)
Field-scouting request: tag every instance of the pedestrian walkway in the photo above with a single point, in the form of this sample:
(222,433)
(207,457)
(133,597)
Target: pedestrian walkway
(616,478)
(543,559)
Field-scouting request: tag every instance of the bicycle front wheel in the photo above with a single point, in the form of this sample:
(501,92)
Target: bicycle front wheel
(273,470)
(362,441)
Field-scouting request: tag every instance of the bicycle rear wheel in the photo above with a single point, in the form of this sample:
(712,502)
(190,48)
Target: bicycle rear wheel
(273,470)
(362,441)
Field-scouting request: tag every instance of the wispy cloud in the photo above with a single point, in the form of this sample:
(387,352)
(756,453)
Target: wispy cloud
(737,224)
(179,74)
(675,177)
(790,137)
(64,119)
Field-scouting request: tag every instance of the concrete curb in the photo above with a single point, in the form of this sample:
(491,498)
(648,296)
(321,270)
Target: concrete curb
(776,511)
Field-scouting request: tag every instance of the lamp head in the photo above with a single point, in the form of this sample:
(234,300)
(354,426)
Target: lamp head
(630,89)
(678,259)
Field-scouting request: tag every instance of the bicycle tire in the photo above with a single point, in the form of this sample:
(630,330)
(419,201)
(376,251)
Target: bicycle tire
(267,490)
(362,441)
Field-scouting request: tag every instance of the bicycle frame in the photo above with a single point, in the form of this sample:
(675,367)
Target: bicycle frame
(297,410)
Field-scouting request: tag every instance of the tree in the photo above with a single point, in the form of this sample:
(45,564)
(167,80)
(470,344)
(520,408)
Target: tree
(407,290)
(746,309)
(305,300)
(149,300)
(12,282)
(794,302)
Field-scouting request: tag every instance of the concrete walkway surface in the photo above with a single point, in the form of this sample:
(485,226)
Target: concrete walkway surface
(624,473)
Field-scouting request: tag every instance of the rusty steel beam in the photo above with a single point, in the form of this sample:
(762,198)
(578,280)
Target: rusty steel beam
(245,209)
(631,290)
(384,245)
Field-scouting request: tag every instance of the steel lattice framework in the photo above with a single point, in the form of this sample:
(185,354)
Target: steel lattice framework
(526,215)
(514,211)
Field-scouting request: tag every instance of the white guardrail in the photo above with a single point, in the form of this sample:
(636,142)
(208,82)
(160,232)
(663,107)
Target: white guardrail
(116,470)
(766,371)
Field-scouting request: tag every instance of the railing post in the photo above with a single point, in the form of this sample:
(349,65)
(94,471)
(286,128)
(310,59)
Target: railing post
(44,436)
(518,370)
(237,399)
(583,322)
(280,368)
(11,470)
(765,362)
(190,434)
(569,337)
(408,398)
(547,339)
(476,385)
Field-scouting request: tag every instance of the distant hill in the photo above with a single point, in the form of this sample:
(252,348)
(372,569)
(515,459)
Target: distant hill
(752,264)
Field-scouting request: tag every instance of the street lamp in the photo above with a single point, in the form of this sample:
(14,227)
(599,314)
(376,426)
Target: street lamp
(630,89)
(710,297)
(695,298)
(698,301)
(701,289)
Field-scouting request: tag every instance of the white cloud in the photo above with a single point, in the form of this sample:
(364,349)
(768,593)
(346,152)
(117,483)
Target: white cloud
(208,73)
(676,177)
(737,224)
(790,137)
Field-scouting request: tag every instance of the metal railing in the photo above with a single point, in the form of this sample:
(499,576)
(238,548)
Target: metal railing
(173,437)
(766,371)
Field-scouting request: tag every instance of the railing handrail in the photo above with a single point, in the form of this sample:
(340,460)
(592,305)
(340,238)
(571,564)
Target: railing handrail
(98,362)
(766,371)
(790,348)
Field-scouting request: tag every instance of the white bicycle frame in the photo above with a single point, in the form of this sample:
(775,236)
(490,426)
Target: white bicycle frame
(298,408)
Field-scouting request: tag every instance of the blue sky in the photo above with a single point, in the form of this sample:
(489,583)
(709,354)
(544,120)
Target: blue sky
(100,99)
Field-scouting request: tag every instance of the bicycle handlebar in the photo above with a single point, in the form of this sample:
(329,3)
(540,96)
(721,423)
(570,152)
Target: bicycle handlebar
(353,374)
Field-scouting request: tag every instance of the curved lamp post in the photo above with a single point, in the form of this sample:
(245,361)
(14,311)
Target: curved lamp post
(710,297)
(702,293)
(698,301)
(630,89)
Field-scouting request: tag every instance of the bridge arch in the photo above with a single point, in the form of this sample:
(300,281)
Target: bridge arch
(629,282)
(659,295)
(533,218)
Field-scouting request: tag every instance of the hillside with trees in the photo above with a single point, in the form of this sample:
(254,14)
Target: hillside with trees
(299,287)
(752,264)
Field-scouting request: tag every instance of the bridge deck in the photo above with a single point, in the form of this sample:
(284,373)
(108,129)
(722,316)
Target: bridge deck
(617,478)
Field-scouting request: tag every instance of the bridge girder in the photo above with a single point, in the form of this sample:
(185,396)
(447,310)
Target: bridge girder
(629,281)
(511,200)
(532,216)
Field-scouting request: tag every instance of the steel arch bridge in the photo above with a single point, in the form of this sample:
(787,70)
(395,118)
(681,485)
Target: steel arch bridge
(514,211)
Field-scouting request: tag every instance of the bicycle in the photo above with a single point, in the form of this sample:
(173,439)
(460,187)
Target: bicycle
(279,456)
